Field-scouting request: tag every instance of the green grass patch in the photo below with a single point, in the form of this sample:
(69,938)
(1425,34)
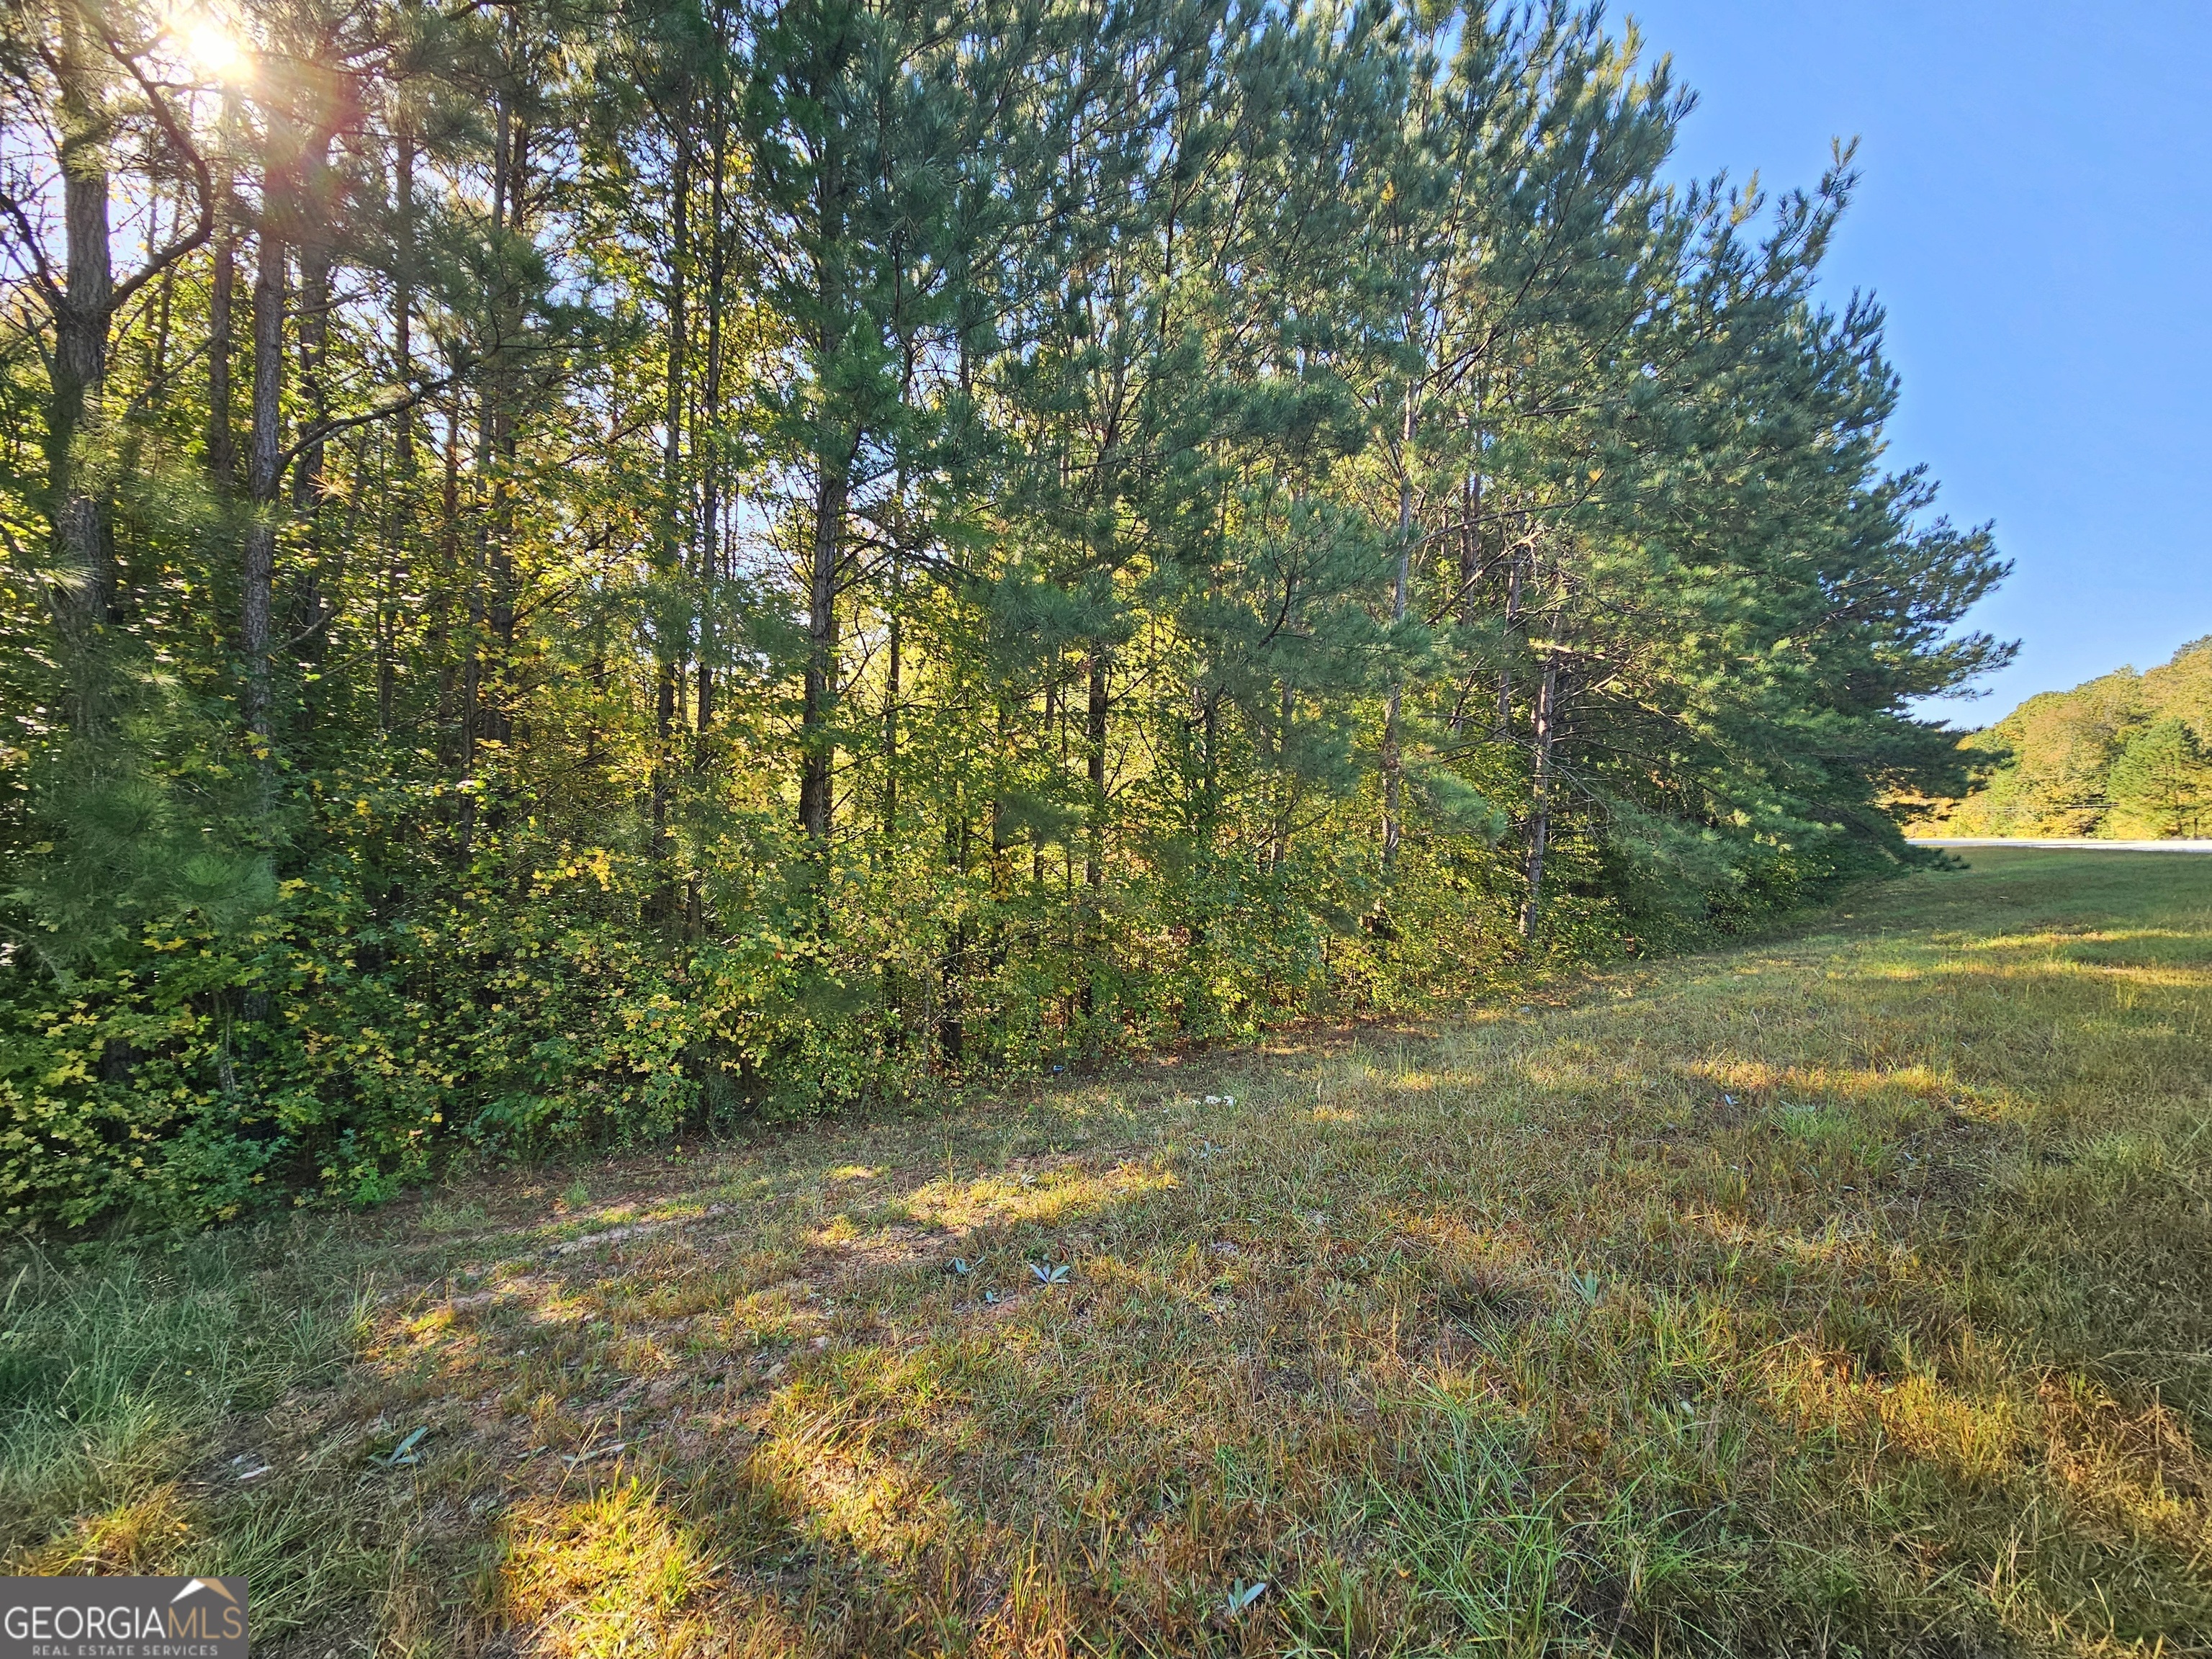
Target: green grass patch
(1849,1292)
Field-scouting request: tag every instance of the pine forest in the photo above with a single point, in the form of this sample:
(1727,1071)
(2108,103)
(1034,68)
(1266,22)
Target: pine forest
(575,570)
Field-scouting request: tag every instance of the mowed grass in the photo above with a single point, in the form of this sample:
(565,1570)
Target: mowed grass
(1848,1293)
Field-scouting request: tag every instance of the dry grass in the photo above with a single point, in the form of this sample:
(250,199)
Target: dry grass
(1851,1293)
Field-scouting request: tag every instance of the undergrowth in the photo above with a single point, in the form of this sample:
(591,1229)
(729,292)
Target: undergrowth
(1849,1292)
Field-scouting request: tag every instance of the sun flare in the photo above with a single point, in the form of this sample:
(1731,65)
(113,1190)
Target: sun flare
(212,46)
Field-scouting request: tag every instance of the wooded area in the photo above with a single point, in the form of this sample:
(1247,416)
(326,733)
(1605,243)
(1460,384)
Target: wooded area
(2124,754)
(572,567)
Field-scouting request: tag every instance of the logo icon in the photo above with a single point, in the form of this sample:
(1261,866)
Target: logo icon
(214,1584)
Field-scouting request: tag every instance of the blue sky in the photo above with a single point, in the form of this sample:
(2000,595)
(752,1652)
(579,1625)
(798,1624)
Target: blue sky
(2036,215)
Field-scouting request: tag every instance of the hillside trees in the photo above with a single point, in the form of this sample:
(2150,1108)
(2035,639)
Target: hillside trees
(2162,779)
(2122,755)
(689,557)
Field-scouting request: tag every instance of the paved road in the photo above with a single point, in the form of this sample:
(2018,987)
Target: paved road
(2068,842)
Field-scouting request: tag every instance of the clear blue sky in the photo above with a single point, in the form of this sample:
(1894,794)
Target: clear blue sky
(2036,215)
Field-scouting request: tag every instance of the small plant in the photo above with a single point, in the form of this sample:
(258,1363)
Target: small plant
(578,1195)
(404,1452)
(1045,1276)
(1243,1596)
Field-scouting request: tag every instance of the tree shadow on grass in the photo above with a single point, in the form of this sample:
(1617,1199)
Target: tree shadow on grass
(1772,1312)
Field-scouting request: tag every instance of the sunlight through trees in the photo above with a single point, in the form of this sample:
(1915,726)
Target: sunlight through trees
(573,567)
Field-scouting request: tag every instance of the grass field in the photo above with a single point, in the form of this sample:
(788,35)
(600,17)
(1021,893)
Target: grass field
(1846,1292)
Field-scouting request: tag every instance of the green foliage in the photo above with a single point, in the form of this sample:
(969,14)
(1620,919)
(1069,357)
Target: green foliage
(750,561)
(2162,779)
(2123,757)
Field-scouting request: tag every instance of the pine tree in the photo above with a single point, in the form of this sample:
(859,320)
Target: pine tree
(621,562)
(2161,781)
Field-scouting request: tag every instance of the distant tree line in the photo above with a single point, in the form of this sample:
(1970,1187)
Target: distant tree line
(573,567)
(2126,756)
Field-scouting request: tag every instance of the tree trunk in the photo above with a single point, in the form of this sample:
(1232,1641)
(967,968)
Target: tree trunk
(1094,746)
(455,667)
(893,685)
(264,478)
(814,782)
(475,695)
(707,459)
(400,504)
(1393,758)
(710,464)
(157,347)
(666,650)
(1470,539)
(84,304)
(1468,600)
(314,323)
(1540,816)
(222,438)
(833,459)
(82,547)
(499,443)
(1094,854)
(951,1031)
(305,605)
(1513,579)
